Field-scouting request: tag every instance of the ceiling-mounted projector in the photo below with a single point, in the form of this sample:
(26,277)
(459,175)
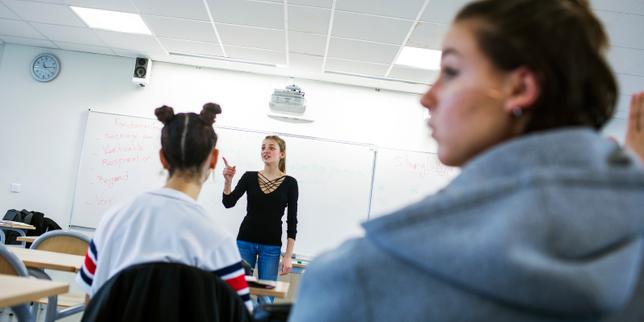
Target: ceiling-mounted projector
(289,100)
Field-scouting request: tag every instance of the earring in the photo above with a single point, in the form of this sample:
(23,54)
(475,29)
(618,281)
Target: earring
(517,112)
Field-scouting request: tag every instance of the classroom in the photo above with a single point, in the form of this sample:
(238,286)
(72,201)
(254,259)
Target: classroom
(81,136)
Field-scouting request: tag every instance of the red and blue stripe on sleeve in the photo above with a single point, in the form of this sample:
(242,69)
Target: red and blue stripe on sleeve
(88,269)
(234,276)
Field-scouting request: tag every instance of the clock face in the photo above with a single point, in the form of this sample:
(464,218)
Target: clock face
(45,67)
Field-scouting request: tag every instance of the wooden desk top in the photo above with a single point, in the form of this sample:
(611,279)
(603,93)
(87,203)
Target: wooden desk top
(48,260)
(15,225)
(17,290)
(280,290)
(28,239)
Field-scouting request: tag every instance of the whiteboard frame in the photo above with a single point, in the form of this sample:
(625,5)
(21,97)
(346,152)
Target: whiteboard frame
(372,147)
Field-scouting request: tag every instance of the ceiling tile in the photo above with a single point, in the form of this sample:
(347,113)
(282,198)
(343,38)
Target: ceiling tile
(313,3)
(131,43)
(69,34)
(28,41)
(355,67)
(115,5)
(181,28)
(304,43)
(84,48)
(413,74)
(256,55)
(243,12)
(428,35)
(306,63)
(627,61)
(442,11)
(251,37)
(311,20)
(18,29)
(189,9)
(630,6)
(362,51)
(623,106)
(407,9)
(629,84)
(362,27)
(44,12)
(134,52)
(191,47)
(6,13)
(624,29)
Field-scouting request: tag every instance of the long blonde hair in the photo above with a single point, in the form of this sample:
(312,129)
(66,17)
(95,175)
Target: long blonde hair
(282,145)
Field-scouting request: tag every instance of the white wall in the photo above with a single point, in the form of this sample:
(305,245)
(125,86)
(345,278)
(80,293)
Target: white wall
(42,124)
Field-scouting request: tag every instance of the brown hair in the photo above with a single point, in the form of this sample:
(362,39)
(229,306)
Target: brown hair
(563,43)
(187,138)
(280,142)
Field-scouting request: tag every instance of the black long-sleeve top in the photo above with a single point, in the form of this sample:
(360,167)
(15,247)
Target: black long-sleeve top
(264,211)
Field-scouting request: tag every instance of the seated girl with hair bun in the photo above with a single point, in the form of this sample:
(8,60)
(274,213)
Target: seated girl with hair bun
(168,224)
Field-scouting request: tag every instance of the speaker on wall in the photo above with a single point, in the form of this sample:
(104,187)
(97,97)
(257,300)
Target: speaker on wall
(141,75)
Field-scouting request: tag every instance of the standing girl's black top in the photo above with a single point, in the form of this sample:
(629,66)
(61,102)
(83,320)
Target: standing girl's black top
(264,211)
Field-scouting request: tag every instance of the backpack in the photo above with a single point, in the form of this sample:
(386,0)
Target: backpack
(34,218)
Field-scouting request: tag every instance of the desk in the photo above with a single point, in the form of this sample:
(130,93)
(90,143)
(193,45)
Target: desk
(17,290)
(280,290)
(27,239)
(16,226)
(48,260)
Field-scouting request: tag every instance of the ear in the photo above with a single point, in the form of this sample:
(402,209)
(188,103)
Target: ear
(523,89)
(164,162)
(213,158)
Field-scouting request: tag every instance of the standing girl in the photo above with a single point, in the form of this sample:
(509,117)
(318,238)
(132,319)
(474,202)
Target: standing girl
(269,192)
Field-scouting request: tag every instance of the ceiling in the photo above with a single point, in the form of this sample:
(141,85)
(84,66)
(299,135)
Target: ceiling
(349,41)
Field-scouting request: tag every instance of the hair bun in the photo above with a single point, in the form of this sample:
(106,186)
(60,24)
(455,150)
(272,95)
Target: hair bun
(164,114)
(209,112)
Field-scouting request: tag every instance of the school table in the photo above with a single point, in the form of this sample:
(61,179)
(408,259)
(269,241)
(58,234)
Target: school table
(27,239)
(16,226)
(17,290)
(48,260)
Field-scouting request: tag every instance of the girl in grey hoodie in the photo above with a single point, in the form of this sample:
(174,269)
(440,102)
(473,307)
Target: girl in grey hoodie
(545,221)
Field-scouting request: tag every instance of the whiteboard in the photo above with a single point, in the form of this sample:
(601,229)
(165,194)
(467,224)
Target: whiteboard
(404,177)
(119,159)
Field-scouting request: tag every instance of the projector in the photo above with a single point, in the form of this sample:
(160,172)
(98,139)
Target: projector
(289,100)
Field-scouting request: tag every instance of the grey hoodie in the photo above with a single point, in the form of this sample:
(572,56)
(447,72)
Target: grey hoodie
(546,227)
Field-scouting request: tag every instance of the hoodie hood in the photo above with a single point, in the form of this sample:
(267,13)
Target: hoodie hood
(551,222)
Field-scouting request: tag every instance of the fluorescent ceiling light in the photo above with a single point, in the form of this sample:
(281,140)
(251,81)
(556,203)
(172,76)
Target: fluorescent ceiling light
(420,58)
(112,20)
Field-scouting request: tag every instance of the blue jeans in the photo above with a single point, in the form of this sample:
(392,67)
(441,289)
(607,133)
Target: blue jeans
(267,258)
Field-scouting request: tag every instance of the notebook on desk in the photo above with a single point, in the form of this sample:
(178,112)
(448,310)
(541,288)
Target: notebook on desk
(254,282)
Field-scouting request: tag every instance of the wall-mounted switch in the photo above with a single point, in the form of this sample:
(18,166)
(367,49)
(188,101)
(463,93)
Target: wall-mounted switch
(15,187)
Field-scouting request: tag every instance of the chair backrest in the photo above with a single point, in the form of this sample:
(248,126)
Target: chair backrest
(10,264)
(168,292)
(62,241)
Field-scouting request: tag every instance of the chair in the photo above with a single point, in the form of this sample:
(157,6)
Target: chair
(10,264)
(161,291)
(68,242)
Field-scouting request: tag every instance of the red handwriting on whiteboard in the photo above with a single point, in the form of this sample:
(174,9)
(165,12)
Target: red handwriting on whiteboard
(110,149)
(118,162)
(110,181)
(120,136)
(103,201)
(424,168)
(133,124)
